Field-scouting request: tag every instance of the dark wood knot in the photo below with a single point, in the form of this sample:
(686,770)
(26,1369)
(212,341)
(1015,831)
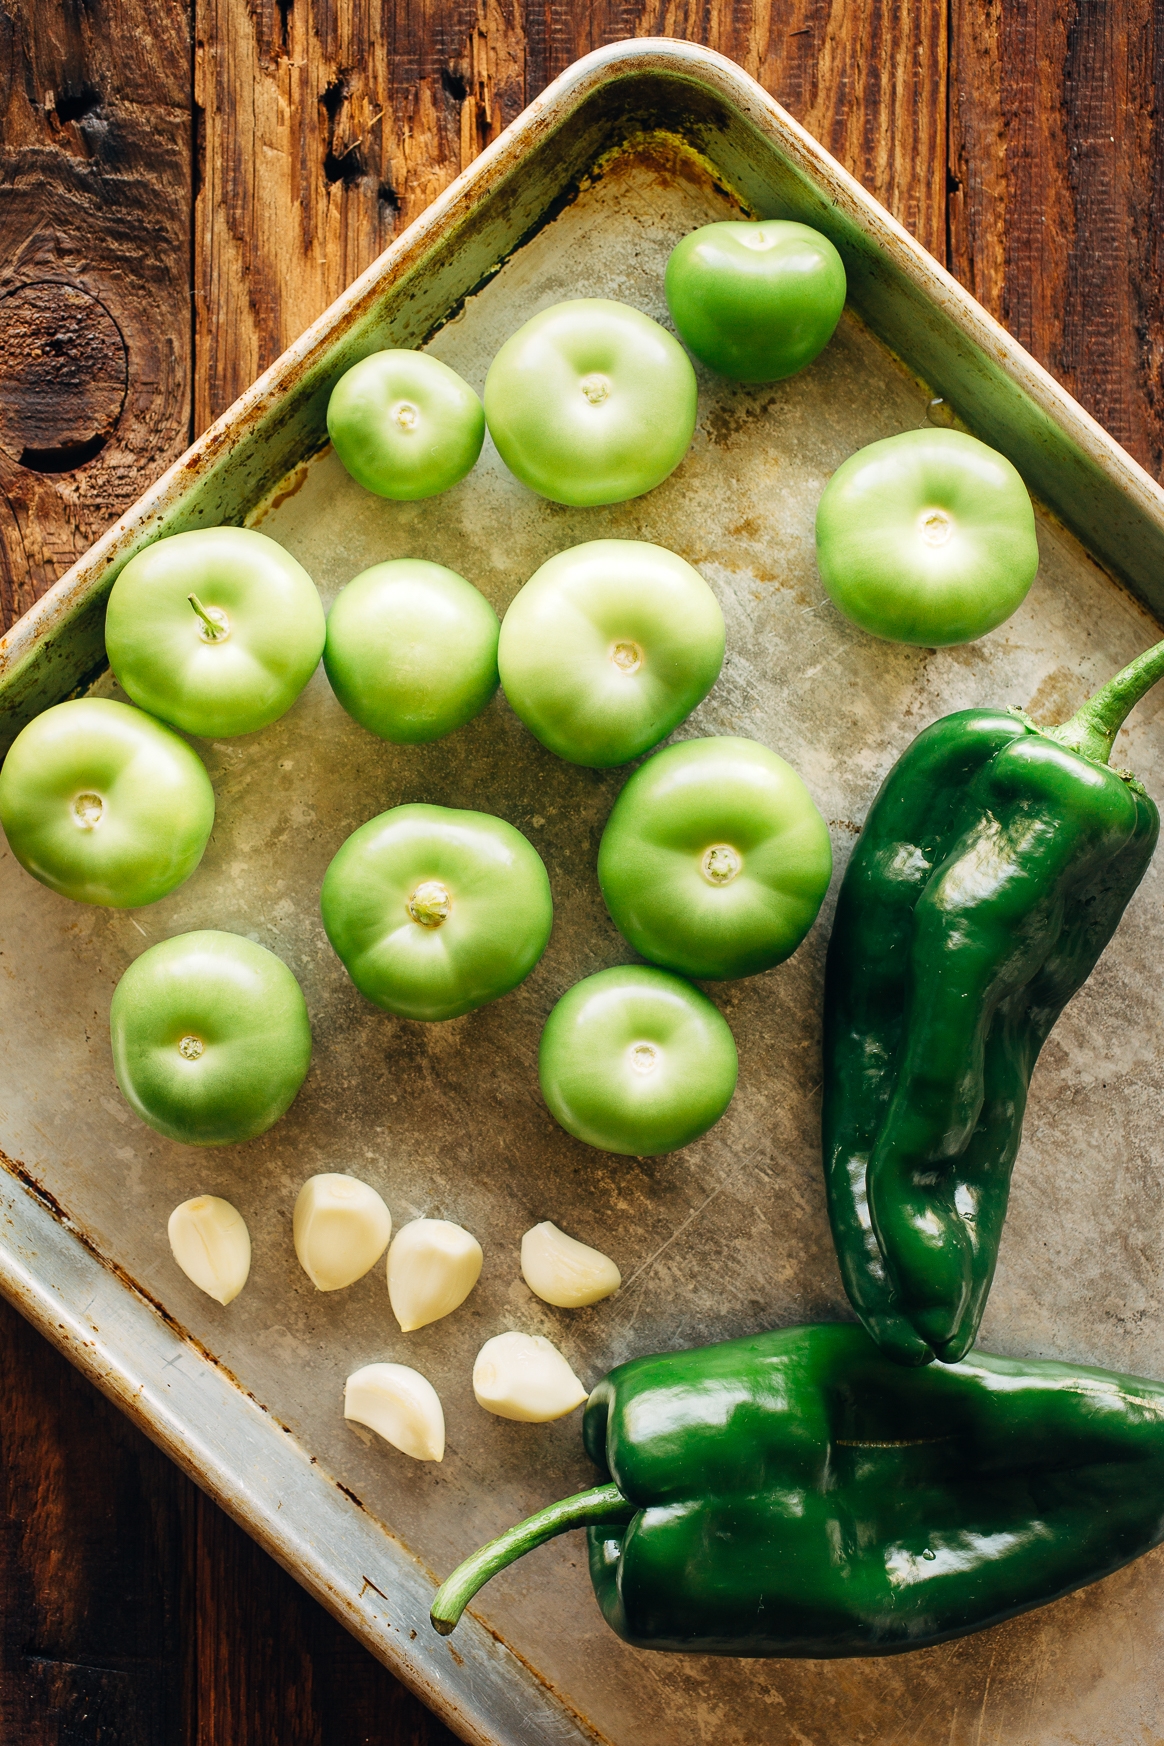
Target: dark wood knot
(63,375)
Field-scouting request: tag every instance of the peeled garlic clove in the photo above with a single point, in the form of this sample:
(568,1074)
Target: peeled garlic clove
(563,1271)
(523,1376)
(401,1405)
(341,1228)
(211,1245)
(433,1265)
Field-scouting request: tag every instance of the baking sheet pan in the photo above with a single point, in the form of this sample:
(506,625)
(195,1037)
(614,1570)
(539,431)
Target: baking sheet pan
(731,1234)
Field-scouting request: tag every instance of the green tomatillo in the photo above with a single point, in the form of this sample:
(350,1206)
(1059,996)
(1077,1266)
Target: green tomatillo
(105,805)
(411,650)
(591,402)
(434,911)
(211,1039)
(404,425)
(608,647)
(755,301)
(715,861)
(637,1061)
(216,631)
(927,537)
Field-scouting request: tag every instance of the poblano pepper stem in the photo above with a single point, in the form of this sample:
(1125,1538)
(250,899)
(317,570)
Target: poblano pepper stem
(1094,726)
(586,1509)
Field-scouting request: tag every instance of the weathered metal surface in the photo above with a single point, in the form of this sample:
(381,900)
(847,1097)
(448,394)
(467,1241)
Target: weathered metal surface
(238,1449)
(727,1236)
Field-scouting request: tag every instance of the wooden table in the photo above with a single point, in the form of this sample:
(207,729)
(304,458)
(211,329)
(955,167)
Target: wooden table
(184,187)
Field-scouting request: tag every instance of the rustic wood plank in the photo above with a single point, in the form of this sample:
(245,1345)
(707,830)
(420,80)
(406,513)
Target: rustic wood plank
(95,159)
(1113,323)
(869,81)
(1057,194)
(327,129)
(269,1664)
(977,163)
(132,1611)
(91,1561)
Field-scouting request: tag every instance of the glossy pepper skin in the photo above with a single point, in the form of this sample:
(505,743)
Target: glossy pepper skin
(798,1494)
(992,870)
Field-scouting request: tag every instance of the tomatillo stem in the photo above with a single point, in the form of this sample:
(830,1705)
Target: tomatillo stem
(430,903)
(586,1509)
(213,629)
(1095,724)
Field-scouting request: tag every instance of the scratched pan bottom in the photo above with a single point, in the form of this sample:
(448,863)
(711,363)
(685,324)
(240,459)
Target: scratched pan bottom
(729,1235)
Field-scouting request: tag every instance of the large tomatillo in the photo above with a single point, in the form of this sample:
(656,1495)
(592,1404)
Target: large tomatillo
(211,1039)
(591,402)
(755,300)
(217,631)
(104,804)
(715,861)
(434,910)
(927,537)
(608,647)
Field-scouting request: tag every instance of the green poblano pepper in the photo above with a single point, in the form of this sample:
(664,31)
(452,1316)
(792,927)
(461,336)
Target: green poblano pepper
(991,872)
(798,1493)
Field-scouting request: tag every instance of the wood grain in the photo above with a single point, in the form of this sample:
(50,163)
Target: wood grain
(95,208)
(325,133)
(90,1561)
(1056,215)
(134,1613)
(184,185)
(268,1667)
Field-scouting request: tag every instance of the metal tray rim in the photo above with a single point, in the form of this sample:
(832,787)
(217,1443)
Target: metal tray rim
(634,57)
